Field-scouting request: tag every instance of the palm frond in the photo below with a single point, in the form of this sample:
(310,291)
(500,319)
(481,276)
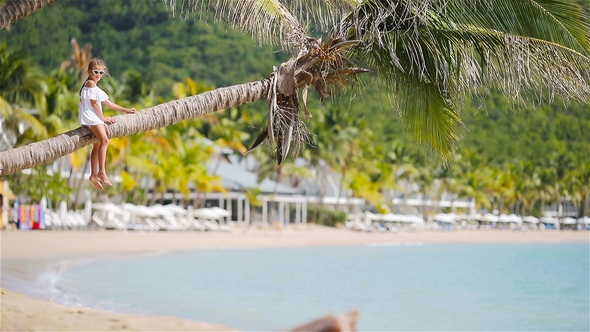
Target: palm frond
(515,65)
(432,54)
(321,65)
(264,19)
(561,22)
(269,21)
(17,117)
(428,118)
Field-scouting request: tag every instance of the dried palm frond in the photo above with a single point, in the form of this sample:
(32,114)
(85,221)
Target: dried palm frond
(318,64)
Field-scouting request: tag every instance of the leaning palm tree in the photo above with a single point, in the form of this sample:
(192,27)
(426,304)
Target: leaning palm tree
(13,10)
(430,54)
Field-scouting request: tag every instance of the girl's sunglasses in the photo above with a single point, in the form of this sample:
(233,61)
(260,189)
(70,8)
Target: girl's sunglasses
(98,72)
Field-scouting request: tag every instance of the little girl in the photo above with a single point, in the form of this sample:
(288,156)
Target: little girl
(90,115)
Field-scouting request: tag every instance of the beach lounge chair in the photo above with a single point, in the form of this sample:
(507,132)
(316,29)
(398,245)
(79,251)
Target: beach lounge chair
(96,219)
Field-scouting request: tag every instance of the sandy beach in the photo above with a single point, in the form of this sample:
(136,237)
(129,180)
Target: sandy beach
(20,312)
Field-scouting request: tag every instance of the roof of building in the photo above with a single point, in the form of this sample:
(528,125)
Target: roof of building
(237,178)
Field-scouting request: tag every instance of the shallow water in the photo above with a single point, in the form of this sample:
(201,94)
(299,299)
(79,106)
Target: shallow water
(396,287)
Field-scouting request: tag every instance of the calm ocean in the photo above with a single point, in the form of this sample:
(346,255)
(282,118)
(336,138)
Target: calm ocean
(435,287)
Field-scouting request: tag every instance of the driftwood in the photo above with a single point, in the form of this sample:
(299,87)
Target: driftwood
(331,323)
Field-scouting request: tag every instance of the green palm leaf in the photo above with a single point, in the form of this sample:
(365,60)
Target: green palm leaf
(432,54)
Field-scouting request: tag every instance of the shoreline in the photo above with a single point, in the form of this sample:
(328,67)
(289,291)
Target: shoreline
(44,248)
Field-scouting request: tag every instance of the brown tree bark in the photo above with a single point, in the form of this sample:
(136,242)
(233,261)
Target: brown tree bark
(148,119)
(14,10)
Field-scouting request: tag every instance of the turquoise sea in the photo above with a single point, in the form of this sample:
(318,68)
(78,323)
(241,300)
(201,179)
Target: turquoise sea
(434,287)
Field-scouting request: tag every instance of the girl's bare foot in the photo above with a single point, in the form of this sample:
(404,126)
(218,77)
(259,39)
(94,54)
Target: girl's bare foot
(104,178)
(96,183)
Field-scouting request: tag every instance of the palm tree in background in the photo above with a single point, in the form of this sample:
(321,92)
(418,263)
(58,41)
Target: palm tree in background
(21,90)
(583,176)
(430,55)
(336,138)
(78,59)
(389,161)
(446,177)
(523,187)
(474,179)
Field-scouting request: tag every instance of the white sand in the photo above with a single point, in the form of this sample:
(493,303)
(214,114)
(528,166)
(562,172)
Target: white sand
(19,312)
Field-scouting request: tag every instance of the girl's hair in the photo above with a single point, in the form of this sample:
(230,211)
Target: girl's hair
(96,62)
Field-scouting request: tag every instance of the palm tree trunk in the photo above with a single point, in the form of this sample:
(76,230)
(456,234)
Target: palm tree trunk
(586,203)
(321,194)
(14,10)
(153,198)
(274,194)
(134,198)
(407,194)
(125,194)
(148,119)
(337,206)
(197,199)
(531,208)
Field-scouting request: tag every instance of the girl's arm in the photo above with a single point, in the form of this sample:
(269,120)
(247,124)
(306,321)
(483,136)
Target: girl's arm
(116,107)
(97,109)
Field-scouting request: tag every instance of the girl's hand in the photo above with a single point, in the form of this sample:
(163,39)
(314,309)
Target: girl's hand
(131,111)
(110,120)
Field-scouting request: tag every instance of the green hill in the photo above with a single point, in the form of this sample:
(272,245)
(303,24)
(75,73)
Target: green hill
(142,36)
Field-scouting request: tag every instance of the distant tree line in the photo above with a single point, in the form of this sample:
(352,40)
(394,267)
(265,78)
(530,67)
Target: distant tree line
(504,158)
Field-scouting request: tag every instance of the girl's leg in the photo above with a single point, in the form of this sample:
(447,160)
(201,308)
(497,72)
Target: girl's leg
(103,143)
(94,166)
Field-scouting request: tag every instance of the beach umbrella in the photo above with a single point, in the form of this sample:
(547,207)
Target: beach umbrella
(445,218)
(43,209)
(516,218)
(584,220)
(158,210)
(389,217)
(88,210)
(220,212)
(63,210)
(176,209)
(356,217)
(108,207)
(415,219)
(145,211)
(568,221)
(550,220)
(405,218)
(490,217)
(474,216)
(370,216)
(510,218)
(410,219)
(530,219)
(205,213)
(141,210)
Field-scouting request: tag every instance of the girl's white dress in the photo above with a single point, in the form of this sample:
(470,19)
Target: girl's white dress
(86,114)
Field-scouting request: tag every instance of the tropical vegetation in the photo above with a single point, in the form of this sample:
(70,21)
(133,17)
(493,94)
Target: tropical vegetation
(435,66)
